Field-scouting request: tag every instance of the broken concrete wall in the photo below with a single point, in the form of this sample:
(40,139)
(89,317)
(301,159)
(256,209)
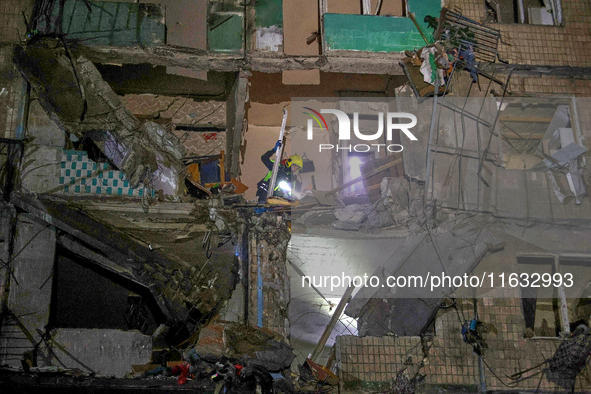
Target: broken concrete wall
(178,287)
(29,285)
(89,104)
(373,359)
(12,89)
(105,352)
(43,156)
(268,281)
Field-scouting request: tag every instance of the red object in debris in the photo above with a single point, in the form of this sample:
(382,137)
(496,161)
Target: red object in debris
(183,370)
(238,369)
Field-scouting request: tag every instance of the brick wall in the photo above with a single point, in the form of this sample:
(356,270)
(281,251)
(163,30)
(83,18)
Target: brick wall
(533,44)
(268,294)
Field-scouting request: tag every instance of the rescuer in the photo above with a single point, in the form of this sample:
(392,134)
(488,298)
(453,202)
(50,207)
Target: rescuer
(283,183)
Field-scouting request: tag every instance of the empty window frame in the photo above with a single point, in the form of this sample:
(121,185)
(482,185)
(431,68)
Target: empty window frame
(532,12)
(547,311)
(534,129)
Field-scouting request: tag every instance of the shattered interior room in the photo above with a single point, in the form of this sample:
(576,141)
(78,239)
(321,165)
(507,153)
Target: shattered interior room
(295,196)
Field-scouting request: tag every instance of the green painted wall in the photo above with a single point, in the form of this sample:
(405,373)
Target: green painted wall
(371,33)
(268,13)
(110,23)
(225,32)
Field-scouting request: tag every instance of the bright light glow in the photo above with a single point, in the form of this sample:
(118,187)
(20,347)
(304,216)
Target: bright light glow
(283,185)
(350,324)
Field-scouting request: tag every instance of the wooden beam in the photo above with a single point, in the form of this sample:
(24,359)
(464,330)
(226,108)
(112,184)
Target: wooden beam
(189,178)
(333,321)
(412,18)
(362,177)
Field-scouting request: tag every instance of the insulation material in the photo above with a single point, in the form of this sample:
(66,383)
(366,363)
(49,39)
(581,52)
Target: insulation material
(301,24)
(301,77)
(575,180)
(559,195)
(566,136)
(165,178)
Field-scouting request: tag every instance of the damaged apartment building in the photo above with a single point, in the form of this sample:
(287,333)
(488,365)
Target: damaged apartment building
(136,254)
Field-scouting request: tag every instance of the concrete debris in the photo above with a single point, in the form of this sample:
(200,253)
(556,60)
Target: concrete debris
(351,213)
(565,154)
(559,195)
(73,93)
(347,225)
(165,140)
(575,180)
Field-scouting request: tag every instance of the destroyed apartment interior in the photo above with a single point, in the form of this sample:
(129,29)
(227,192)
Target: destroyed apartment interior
(182,198)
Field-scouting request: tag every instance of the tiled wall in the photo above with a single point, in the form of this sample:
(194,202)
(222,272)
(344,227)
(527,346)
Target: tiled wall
(82,176)
(450,361)
(532,44)
(373,359)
